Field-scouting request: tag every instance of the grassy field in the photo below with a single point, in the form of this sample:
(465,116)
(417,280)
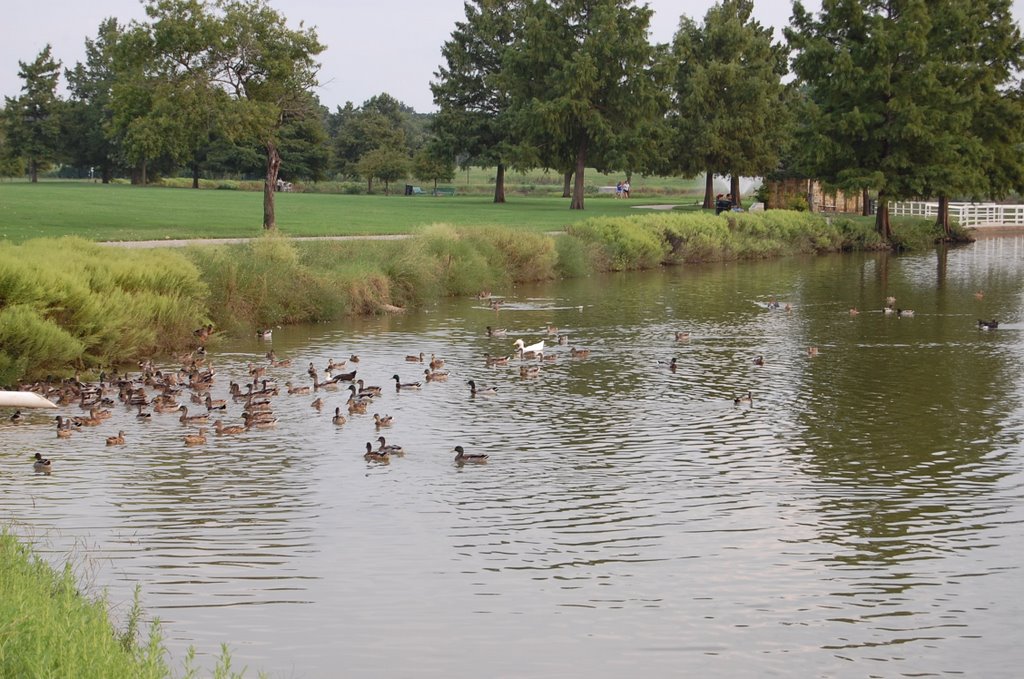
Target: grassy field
(121,212)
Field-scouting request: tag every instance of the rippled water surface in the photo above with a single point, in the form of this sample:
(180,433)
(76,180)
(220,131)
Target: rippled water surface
(860,517)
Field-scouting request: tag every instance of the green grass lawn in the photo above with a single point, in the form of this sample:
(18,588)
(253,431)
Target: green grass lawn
(121,212)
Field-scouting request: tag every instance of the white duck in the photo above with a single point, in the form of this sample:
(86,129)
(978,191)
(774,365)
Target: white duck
(537,348)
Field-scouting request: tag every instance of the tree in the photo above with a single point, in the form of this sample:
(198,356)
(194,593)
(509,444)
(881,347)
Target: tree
(85,131)
(472,121)
(379,123)
(729,115)
(874,80)
(432,165)
(981,50)
(386,164)
(582,73)
(33,119)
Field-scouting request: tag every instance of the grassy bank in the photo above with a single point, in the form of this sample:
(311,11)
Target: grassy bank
(48,628)
(73,305)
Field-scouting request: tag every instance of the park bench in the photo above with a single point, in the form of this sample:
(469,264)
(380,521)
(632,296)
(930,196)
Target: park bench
(444,192)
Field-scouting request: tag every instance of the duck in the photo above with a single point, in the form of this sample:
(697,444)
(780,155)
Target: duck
(529,370)
(812,351)
(192,419)
(259,420)
(563,340)
(496,360)
(318,403)
(345,377)
(890,301)
(196,439)
(385,421)
(888,311)
(42,465)
(116,440)
(333,365)
(372,455)
(979,295)
(905,313)
(227,430)
(745,398)
(63,433)
(988,325)
(355,406)
(298,391)
(338,418)
(521,347)
(759,360)
(854,311)
(389,449)
(142,414)
(436,363)
(672,365)
(552,330)
(682,336)
(436,375)
(275,363)
(311,370)
(462,457)
(17,417)
(413,358)
(496,332)
(329,385)
(481,391)
(495,304)
(399,385)
(579,353)
(215,404)
(368,390)
(353,358)
(264,334)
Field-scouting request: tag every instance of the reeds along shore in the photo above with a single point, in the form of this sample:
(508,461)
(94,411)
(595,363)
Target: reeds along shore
(72,305)
(51,629)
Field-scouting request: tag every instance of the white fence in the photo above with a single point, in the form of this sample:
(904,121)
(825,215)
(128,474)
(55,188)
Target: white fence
(966,214)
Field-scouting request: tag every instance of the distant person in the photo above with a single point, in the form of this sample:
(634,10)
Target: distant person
(722,204)
(625,189)
(618,190)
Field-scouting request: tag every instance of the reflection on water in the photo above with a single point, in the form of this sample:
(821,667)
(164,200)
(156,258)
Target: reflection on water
(860,516)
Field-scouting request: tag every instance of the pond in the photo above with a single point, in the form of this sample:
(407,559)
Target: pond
(861,515)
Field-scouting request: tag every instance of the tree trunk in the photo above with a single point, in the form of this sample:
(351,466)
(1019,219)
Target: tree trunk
(865,203)
(107,174)
(195,174)
(270,185)
(33,171)
(499,184)
(943,217)
(567,184)
(581,165)
(810,195)
(734,189)
(145,179)
(882,225)
(709,190)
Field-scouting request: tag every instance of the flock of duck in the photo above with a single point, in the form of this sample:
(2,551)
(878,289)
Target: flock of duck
(160,391)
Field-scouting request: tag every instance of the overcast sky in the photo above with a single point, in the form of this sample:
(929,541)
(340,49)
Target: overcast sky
(372,47)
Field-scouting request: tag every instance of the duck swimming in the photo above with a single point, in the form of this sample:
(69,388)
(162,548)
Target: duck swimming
(462,457)
(385,421)
(389,449)
(988,325)
(481,391)
(399,385)
(372,455)
(745,398)
(196,439)
(42,465)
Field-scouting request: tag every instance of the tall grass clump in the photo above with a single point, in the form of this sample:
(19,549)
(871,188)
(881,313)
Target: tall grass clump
(623,243)
(47,629)
(69,304)
(462,267)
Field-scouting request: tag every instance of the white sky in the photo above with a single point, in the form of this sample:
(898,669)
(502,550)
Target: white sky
(372,47)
